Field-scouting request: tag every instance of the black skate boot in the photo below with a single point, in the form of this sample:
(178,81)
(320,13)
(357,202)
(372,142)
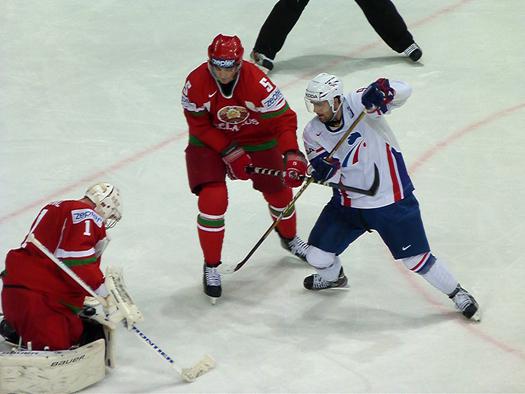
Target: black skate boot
(211,281)
(9,333)
(264,62)
(316,282)
(464,301)
(295,245)
(414,52)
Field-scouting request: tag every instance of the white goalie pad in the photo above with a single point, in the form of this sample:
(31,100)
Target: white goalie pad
(120,299)
(64,371)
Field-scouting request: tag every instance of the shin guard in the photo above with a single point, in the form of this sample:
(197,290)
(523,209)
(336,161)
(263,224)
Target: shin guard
(213,201)
(277,202)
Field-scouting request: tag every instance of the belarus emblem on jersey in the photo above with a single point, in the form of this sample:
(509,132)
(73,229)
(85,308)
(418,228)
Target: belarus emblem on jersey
(233,114)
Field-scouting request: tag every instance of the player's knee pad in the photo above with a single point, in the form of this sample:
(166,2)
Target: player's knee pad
(319,259)
(420,263)
(213,198)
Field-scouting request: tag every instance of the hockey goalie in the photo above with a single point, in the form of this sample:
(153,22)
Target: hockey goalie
(61,344)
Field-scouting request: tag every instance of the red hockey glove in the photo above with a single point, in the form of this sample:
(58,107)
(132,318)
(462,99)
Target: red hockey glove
(295,166)
(236,160)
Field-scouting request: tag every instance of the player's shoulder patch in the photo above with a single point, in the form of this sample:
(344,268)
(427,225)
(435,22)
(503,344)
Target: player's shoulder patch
(274,101)
(79,215)
(197,89)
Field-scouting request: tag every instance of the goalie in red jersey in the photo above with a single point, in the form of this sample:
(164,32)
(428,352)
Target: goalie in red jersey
(40,302)
(238,118)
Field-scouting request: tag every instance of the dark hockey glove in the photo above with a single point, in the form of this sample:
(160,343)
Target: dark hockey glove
(236,160)
(324,168)
(295,166)
(377,95)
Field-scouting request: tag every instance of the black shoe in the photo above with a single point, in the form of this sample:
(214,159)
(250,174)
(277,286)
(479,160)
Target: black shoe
(464,301)
(414,52)
(316,282)
(264,62)
(8,332)
(211,281)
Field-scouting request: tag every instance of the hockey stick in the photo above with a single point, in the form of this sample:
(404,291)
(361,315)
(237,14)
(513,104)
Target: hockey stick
(188,374)
(31,238)
(231,269)
(279,173)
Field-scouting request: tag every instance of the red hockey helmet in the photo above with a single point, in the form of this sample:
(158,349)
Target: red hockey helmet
(225,51)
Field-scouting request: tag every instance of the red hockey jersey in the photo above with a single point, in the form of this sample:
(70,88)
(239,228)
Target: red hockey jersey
(256,113)
(76,235)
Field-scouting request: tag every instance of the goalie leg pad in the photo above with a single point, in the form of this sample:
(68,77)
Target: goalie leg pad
(64,371)
(111,353)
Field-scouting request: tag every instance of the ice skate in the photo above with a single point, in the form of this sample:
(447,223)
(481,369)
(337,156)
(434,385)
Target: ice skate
(264,62)
(316,282)
(466,304)
(414,52)
(211,281)
(295,245)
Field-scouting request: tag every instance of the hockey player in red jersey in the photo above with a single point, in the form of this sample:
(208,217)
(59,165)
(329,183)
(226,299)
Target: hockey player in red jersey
(238,118)
(39,300)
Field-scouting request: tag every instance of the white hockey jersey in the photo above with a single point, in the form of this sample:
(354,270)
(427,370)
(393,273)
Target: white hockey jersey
(371,142)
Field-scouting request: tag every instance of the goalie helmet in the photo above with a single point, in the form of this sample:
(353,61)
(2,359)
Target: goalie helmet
(106,198)
(225,51)
(323,87)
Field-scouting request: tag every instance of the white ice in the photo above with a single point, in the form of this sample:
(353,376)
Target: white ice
(90,90)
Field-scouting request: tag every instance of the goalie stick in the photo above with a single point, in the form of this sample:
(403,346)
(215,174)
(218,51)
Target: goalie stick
(230,269)
(279,173)
(188,374)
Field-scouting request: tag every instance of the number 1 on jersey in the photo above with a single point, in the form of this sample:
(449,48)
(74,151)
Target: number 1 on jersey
(87,229)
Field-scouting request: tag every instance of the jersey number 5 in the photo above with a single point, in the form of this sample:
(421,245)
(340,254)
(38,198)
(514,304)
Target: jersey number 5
(267,84)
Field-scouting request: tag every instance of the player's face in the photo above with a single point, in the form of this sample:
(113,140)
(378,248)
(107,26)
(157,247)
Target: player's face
(225,75)
(323,111)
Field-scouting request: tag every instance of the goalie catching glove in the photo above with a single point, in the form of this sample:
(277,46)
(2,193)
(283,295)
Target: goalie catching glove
(120,305)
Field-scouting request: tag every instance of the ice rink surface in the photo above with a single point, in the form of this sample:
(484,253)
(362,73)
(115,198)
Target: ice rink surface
(90,91)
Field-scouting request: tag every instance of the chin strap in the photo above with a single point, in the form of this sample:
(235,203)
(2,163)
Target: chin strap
(333,122)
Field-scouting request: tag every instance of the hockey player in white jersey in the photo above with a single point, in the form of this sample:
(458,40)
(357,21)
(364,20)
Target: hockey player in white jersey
(393,211)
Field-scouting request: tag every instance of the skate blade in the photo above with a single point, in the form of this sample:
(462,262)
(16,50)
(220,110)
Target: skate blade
(341,288)
(328,289)
(476,317)
(213,300)
(226,269)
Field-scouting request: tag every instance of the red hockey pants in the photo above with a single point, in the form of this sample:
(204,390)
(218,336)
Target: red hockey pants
(41,319)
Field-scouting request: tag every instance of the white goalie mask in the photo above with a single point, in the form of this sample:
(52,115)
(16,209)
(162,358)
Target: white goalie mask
(106,198)
(323,87)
